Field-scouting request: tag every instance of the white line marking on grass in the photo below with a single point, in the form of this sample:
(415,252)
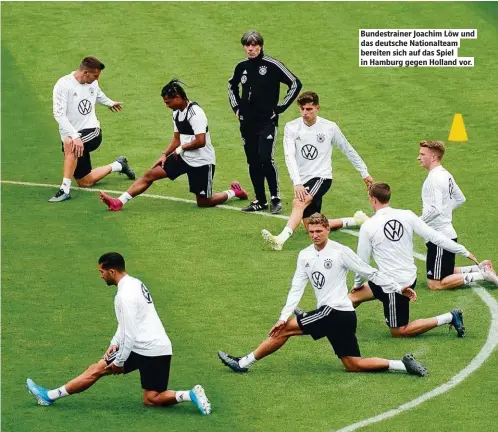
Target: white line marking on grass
(476,363)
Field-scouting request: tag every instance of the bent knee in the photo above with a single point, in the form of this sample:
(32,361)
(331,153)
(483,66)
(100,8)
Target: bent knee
(433,284)
(149,402)
(84,183)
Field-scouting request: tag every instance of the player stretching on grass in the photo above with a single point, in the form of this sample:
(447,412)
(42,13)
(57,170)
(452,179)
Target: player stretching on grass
(140,343)
(189,152)
(308,143)
(74,99)
(440,196)
(325,265)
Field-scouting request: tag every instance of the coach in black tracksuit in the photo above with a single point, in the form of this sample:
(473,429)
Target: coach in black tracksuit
(258,109)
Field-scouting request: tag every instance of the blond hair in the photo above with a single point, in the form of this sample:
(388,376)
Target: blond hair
(318,219)
(436,146)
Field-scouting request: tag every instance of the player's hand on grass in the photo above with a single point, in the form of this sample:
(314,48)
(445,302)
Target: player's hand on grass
(117,106)
(300,192)
(277,328)
(410,293)
(237,115)
(116,370)
(368,180)
(77,147)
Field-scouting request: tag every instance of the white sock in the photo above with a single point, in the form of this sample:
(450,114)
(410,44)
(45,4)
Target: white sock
(125,197)
(396,365)
(66,185)
(348,222)
(116,166)
(472,277)
(469,269)
(444,319)
(247,361)
(230,193)
(183,396)
(57,393)
(285,235)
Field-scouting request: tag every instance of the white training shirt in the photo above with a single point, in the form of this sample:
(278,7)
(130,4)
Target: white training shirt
(139,327)
(198,120)
(389,236)
(440,196)
(74,105)
(327,270)
(308,150)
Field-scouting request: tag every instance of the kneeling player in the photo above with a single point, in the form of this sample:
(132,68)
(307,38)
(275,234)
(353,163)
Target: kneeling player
(140,343)
(308,143)
(325,265)
(190,152)
(389,236)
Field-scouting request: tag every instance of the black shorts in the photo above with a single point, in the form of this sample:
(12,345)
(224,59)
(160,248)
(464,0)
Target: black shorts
(317,187)
(92,138)
(396,306)
(200,179)
(440,263)
(338,326)
(154,371)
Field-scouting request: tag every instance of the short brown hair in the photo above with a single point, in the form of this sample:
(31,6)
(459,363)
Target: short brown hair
(436,146)
(91,63)
(380,191)
(308,97)
(318,219)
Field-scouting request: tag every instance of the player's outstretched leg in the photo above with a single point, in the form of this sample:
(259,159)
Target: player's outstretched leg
(413,366)
(114,204)
(126,169)
(39,392)
(238,191)
(232,362)
(273,240)
(457,322)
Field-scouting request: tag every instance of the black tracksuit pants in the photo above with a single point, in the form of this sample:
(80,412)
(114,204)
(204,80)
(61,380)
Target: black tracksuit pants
(259,141)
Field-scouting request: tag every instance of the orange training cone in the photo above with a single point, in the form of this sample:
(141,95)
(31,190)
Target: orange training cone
(457,131)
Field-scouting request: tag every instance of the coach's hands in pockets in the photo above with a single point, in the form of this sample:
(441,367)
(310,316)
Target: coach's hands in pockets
(277,328)
(408,292)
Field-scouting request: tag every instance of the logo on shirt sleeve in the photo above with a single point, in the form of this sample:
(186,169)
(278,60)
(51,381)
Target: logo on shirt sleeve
(146,294)
(394,230)
(451,187)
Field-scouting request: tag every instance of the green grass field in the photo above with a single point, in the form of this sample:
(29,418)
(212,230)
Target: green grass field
(214,284)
